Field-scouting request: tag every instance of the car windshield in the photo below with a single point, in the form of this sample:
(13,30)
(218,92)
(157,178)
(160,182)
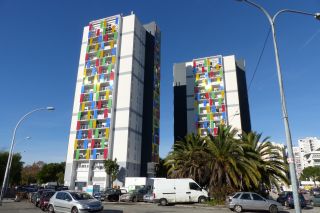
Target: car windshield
(81,196)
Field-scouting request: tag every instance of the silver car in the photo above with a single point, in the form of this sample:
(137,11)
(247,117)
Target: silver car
(73,201)
(252,201)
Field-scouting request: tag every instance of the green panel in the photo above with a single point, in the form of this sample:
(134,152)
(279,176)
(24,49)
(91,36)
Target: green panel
(101,24)
(90,124)
(77,154)
(97,96)
(213,95)
(79,115)
(88,48)
(208,117)
(205,62)
(104,60)
(96,133)
(115,35)
(221,72)
(109,68)
(98,54)
(95,88)
(109,103)
(102,143)
(220,101)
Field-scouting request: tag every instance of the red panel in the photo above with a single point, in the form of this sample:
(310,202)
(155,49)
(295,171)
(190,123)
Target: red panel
(90,26)
(211,74)
(223,107)
(98,32)
(92,144)
(111,76)
(105,153)
(87,57)
(194,64)
(78,125)
(105,112)
(202,69)
(100,70)
(99,104)
(97,62)
(196,90)
(207,95)
(211,102)
(215,131)
(89,133)
(81,98)
(105,38)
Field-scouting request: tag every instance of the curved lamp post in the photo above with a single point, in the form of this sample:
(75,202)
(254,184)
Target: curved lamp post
(4,183)
(271,20)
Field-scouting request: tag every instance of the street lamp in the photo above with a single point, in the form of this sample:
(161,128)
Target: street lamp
(283,101)
(3,189)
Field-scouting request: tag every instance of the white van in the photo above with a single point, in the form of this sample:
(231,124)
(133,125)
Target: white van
(183,190)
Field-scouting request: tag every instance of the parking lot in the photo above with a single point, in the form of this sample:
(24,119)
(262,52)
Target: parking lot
(24,206)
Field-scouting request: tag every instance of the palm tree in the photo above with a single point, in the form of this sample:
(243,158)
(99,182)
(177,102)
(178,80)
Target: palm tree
(229,165)
(188,159)
(270,163)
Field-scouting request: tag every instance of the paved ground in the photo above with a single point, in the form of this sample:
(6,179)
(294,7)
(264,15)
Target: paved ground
(25,207)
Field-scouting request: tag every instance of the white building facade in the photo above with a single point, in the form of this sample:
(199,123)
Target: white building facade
(208,92)
(118,79)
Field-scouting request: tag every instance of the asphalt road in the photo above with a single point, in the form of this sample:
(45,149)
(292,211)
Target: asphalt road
(26,207)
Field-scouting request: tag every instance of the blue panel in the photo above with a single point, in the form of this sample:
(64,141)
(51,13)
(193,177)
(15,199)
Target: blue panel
(101,76)
(94,70)
(85,144)
(82,89)
(113,51)
(95,113)
(94,154)
(88,64)
(204,102)
(90,96)
(221,87)
(92,105)
(213,109)
(102,45)
(117,20)
(100,39)
(79,134)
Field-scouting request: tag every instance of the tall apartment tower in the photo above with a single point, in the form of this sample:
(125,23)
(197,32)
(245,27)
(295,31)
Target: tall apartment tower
(116,107)
(207,92)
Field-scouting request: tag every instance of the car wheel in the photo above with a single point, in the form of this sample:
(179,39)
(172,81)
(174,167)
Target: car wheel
(163,202)
(74,210)
(51,209)
(134,199)
(273,209)
(311,203)
(237,208)
(202,199)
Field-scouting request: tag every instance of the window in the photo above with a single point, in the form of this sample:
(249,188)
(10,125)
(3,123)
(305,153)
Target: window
(237,195)
(60,195)
(67,197)
(245,196)
(194,186)
(257,197)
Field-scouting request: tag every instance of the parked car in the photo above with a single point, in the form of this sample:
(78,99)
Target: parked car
(176,191)
(44,200)
(148,198)
(315,191)
(315,200)
(33,197)
(114,194)
(38,194)
(74,202)
(286,199)
(252,201)
(99,196)
(134,196)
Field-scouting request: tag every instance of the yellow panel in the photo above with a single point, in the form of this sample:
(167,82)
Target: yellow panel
(94,124)
(98,87)
(222,94)
(199,131)
(211,117)
(111,44)
(84,72)
(89,114)
(222,122)
(107,94)
(105,23)
(82,107)
(88,154)
(107,132)
(218,79)
(197,77)
(208,109)
(75,144)
(113,28)
(113,59)
(101,54)
(96,47)
(90,42)
(95,80)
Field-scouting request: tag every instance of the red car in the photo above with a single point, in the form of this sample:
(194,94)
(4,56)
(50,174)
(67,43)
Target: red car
(44,200)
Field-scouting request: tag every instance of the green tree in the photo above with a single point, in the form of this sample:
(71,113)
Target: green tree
(161,169)
(229,164)
(311,173)
(16,168)
(188,159)
(270,163)
(112,168)
(49,172)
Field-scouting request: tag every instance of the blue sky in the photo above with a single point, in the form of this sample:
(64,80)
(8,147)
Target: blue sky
(40,48)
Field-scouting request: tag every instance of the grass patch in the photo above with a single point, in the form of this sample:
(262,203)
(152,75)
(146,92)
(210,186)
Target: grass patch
(214,202)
